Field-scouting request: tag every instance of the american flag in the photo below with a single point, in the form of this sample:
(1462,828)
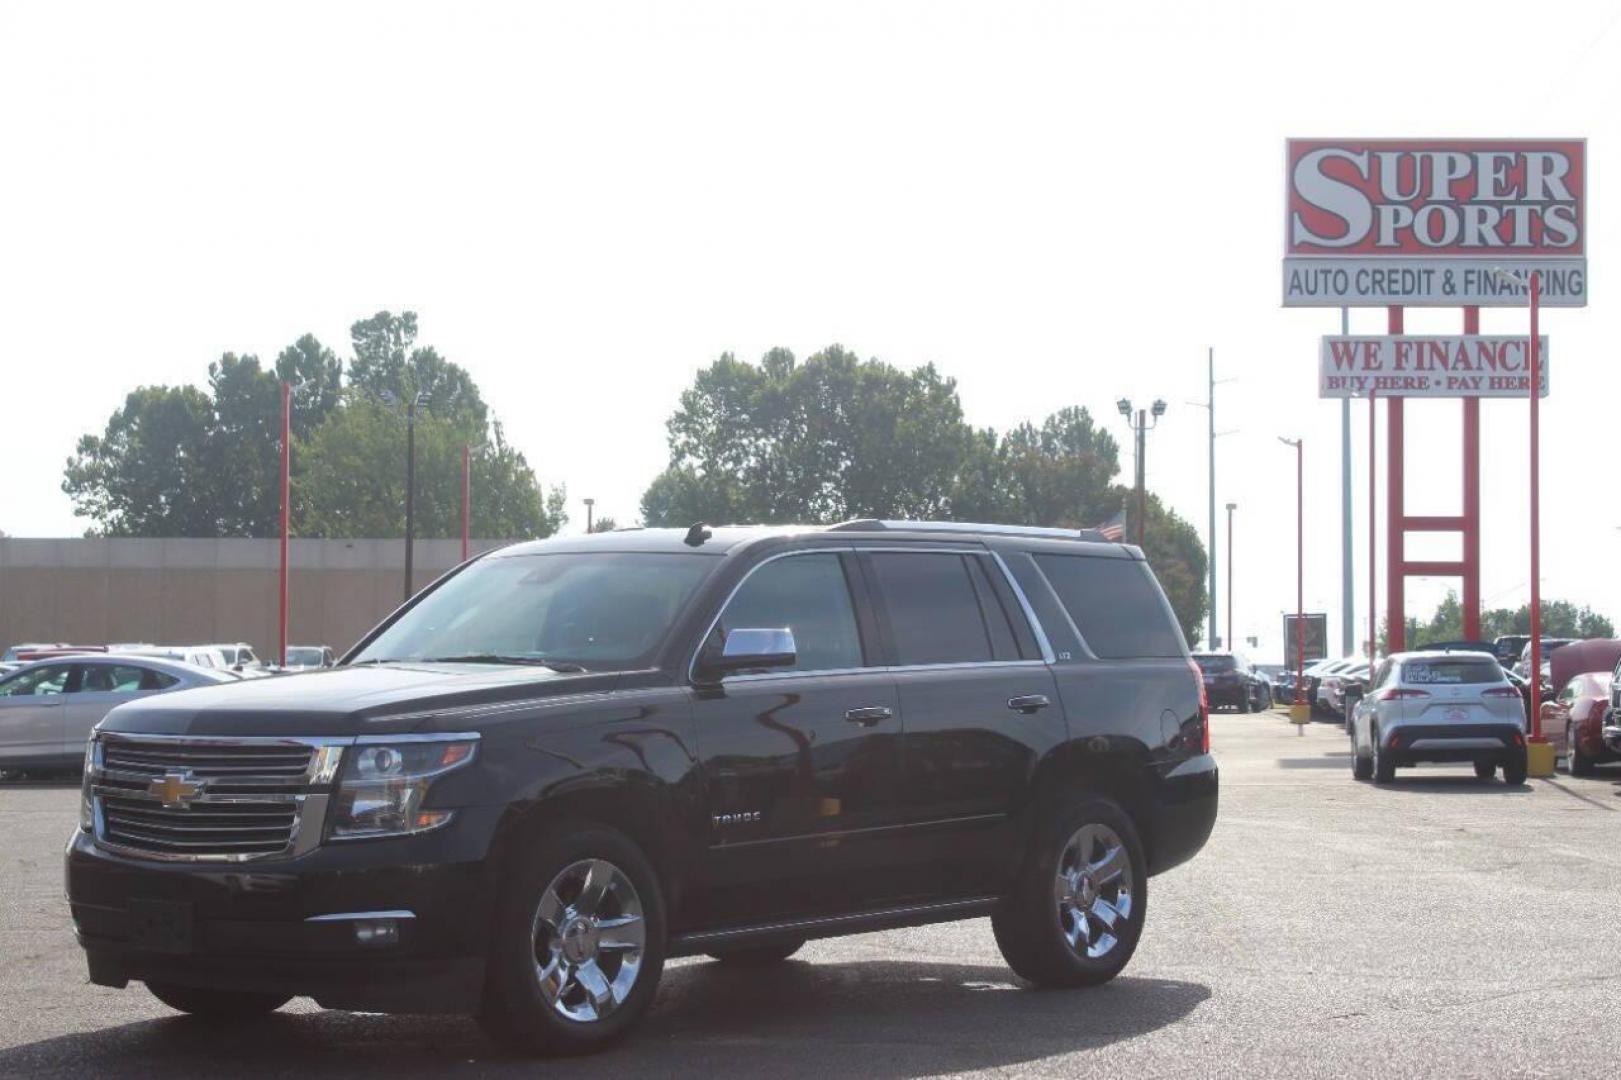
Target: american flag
(1114,528)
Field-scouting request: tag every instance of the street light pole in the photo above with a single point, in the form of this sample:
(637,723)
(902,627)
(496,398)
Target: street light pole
(286,460)
(1300,578)
(467,495)
(1139,430)
(410,486)
(1230,639)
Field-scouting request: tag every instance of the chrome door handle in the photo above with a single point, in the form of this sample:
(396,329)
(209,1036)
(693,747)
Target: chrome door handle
(869,715)
(1028,703)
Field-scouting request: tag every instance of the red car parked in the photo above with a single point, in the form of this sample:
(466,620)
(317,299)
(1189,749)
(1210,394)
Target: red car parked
(1573,719)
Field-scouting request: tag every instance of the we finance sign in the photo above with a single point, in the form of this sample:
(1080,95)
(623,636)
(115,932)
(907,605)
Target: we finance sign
(1413,365)
(1434,222)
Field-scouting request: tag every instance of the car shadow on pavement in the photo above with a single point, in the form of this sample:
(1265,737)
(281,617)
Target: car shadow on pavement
(872,1018)
(1463,784)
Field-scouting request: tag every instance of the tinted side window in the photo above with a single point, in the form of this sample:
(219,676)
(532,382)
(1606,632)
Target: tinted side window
(1114,605)
(111,679)
(809,595)
(933,610)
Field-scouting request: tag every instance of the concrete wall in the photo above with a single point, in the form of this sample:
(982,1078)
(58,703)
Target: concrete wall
(193,592)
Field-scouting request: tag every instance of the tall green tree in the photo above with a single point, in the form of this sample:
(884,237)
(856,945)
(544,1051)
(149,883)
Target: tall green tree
(833,437)
(836,437)
(182,461)
(1560,618)
(141,476)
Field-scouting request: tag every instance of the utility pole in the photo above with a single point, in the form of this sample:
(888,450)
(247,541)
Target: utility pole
(1347,566)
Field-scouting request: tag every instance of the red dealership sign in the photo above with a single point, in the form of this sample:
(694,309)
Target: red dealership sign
(1429,221)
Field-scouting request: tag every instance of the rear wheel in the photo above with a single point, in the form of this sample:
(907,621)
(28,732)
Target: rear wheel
(1361,764)
(1384,768)
(1578,763)
(577,945)
(1485,770)
(759,955)
(1077,909)
(1515,769)
(217,1004)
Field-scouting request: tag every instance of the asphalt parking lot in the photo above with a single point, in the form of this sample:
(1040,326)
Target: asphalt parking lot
(1440,926)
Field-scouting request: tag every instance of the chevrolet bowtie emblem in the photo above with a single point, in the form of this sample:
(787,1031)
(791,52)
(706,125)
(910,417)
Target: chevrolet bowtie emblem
(175,789)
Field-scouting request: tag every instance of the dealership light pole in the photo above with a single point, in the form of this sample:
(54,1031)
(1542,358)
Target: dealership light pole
(1230,639)
(467,495)
(589,522)
(1298,713)
(1140,429)
(286,462)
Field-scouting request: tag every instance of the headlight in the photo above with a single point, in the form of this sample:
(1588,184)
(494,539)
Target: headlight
(384,784)
(87,810)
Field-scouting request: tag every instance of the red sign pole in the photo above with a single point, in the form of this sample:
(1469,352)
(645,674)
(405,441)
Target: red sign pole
(286,459)
(1535,674)
(1373,535)
(467,495)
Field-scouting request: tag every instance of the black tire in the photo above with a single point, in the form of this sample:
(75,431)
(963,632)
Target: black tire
(1576,762)
(1033,927)
(1515,769)
(1384,768)
(1361,764)
(516,1013)
(217,1004)
(1485,770)
(758,955)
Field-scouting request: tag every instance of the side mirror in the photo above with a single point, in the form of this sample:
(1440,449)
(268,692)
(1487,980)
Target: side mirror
(752,649)
(1354,693)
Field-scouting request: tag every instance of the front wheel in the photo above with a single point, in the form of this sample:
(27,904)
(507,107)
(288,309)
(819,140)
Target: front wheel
(217,1004)
(1077,909)
(577,944)
(1384,767)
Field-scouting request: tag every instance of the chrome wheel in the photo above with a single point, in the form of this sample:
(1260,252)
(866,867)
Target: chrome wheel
(589,935)
(1093,889)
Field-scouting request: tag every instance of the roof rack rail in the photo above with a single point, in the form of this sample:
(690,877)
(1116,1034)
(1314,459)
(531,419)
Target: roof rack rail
(1045,532)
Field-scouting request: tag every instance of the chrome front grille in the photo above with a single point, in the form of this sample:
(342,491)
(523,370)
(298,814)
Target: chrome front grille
(219,799)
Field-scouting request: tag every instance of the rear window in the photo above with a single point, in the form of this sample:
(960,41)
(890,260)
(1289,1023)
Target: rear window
(1115,605)
(1215,663)
(1450,672)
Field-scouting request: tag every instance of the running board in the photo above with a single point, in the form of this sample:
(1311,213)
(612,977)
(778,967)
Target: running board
(860,922)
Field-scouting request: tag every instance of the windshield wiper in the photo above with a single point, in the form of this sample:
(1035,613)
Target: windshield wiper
(566,666)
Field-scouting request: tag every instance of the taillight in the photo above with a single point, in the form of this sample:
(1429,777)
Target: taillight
(1396,693)
(1501,691)
(1204,708)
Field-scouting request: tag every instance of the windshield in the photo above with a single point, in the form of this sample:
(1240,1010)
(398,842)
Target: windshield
(601,610)
(303,655)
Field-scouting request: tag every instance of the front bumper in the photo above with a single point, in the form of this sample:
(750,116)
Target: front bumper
(257,926)
(1408,744)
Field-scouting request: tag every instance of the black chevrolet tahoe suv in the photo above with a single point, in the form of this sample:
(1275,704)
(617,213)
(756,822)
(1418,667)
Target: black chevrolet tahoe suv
(569,761)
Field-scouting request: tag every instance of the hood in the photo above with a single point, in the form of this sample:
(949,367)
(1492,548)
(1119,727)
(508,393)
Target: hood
(386,699)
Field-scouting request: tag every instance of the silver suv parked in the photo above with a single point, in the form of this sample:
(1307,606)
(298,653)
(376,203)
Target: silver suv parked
(1439,706)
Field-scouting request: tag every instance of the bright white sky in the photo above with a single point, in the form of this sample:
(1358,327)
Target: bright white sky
(585,202)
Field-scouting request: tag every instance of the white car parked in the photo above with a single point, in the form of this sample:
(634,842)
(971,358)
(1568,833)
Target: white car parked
(1439,706)
(48,707)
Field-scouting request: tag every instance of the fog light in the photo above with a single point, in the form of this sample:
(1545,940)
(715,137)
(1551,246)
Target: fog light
(377,933)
